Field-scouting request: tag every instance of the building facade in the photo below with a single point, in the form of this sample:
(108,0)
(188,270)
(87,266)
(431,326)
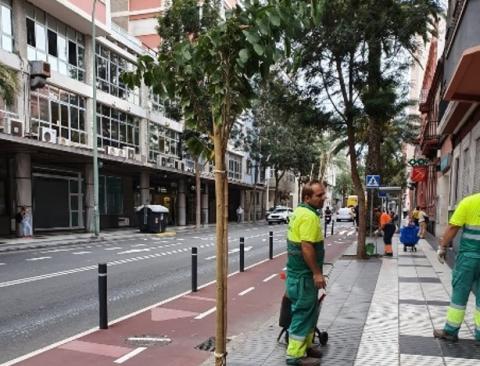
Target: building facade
(451,133)
(46,136)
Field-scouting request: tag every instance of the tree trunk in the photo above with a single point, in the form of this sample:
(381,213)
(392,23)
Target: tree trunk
(357,183)
(198,191)
(221,247)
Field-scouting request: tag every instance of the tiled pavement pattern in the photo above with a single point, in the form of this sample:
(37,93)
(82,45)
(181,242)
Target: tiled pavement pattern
(377,312)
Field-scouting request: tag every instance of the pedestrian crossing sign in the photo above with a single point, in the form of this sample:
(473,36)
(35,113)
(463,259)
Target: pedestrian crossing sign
(373,181)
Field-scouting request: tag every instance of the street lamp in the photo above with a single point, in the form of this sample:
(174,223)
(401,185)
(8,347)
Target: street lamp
(96,214)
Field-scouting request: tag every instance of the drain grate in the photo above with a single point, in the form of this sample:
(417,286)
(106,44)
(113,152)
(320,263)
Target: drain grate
(148,341)
(209,345)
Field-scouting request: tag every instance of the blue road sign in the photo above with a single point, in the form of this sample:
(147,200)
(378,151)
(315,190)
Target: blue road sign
(382,194)
(373,181)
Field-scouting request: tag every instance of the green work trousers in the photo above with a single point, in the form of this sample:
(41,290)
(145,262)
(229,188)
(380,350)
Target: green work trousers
(305,308)
(465,278)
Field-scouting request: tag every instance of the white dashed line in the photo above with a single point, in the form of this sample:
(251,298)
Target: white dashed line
(270,277)
(58,250)
(246,291)
(81,253)
(134,251)
(129,355)
(138,245)
(206,313)
(37,259)
(113,248)
(3,264)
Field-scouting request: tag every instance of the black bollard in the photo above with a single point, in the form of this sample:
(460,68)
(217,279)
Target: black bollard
(102,296)
(194,269)
(242,254)
(270,246)
(333,224)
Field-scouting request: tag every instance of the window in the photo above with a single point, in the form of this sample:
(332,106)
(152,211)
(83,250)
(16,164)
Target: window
(234,166)
(50,40)
(6,32)
(162,141)
(117,129)
(63,111)
(110,66)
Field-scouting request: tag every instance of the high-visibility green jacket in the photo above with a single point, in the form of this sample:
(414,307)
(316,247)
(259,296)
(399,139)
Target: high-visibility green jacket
(467,215)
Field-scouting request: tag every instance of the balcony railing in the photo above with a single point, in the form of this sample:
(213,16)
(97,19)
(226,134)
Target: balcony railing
(424,106)
(429,137)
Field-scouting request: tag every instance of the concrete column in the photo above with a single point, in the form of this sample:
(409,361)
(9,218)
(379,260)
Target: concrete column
(20,47)
(181,204)
(89,199)
(145,188)
(205,204)
(23,182)
(143,137)
(89,65)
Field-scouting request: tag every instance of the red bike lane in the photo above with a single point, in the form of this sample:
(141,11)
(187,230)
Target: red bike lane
(179,324)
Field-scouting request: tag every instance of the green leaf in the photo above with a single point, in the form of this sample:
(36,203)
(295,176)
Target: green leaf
(244,55)
(251,36)
(275,20)
(258,49)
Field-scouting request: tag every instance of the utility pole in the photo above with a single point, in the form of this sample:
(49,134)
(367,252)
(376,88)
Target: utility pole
(96,213)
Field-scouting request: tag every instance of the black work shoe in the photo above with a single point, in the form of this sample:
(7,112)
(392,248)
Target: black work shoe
(304,361)
(314,352)
(441,334)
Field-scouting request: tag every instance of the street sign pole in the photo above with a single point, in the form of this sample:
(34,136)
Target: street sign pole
(371,212)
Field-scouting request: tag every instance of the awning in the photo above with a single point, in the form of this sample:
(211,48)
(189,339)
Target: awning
(465,82)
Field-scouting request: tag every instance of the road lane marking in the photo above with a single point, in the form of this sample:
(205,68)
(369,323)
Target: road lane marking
(270,277)
(113,248)
(206,313)
(81,253)
(130,355)
(3,264)
(246,291)
(138,245)
(37,259)
(58,250)
(134,251)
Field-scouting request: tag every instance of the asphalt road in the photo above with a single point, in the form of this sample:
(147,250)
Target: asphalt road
(50,294)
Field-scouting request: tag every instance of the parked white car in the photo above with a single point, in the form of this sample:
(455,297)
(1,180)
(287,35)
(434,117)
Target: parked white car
(344,214)
(280,215)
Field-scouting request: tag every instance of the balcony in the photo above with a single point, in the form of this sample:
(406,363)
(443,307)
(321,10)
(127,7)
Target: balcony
(424,105)
(429,139)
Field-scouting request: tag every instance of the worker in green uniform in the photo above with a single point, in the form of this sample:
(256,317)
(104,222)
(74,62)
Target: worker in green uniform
(466,273)
(305,275)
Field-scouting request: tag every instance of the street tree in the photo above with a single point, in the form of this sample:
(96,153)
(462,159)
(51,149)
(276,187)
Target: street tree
(219,62)
(8,84)
(389,29)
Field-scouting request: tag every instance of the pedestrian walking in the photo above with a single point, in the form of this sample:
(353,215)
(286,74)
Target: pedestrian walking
(388,229)
(466,273)
(239,214)
(422,222)
(305,275)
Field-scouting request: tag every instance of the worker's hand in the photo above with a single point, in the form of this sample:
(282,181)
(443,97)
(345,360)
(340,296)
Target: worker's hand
(442,254)
(319,281)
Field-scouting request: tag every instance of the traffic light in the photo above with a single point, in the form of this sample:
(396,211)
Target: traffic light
(39,72)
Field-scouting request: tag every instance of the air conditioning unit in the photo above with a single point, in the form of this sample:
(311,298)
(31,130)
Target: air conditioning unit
(13,127)
(48,135)
(189,169)
(129,152)
(122,153)
(113,151)
(170,163)
(64,141)
(161,161)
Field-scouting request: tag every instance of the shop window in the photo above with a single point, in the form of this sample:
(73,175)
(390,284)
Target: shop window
(111,195)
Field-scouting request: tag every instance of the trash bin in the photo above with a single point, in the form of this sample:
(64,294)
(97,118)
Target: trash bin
(370,249)
(152,218)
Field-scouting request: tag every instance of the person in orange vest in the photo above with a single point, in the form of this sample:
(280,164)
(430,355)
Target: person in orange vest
(388,229)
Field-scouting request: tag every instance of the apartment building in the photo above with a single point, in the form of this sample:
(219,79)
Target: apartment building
(452,131)
(46,136)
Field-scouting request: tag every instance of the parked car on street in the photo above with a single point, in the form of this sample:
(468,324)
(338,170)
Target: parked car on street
(344,214)
(279,214)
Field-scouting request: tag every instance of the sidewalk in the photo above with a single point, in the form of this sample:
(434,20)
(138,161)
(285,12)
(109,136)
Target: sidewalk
(380,311)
